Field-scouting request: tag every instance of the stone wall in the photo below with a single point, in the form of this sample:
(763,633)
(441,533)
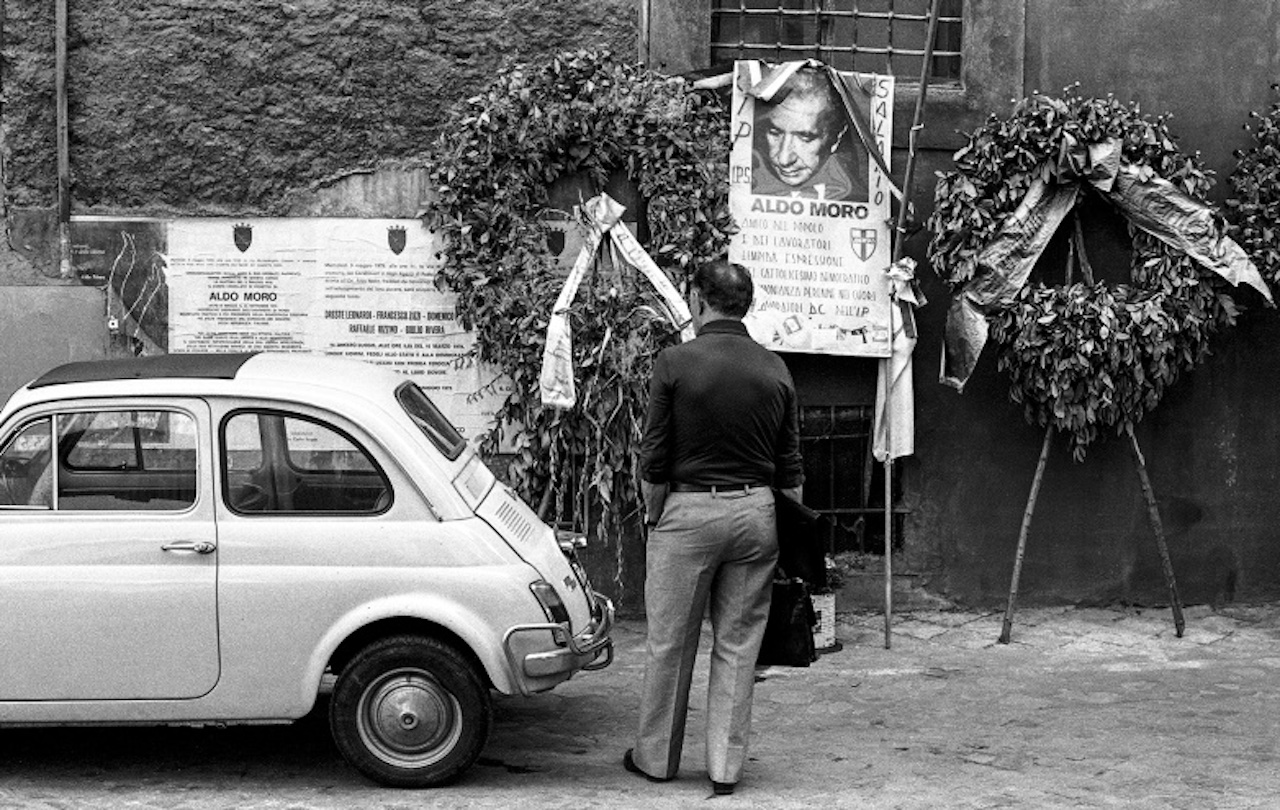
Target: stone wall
(211,107)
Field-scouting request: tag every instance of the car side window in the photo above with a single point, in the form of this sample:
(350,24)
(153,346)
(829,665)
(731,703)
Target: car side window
(118,460)
(26,475)
(277,463)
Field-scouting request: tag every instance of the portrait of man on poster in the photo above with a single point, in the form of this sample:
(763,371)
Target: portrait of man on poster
(804,144)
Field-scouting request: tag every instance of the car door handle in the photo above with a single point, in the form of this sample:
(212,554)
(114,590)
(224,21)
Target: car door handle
(195,546)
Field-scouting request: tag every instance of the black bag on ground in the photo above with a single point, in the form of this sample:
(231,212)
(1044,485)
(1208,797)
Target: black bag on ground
(788,637)
(802,540)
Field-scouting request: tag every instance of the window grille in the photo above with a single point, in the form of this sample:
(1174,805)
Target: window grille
(844,481)
(873,36)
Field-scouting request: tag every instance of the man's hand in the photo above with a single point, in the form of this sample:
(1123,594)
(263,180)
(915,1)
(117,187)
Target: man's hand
(794,493)
(655,498)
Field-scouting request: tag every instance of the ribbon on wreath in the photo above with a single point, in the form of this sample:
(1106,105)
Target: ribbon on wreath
(894,430)
(602,216)
(1146,200)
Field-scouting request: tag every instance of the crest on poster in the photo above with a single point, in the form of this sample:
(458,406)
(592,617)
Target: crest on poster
(396,239)
(242,233)
(863,241)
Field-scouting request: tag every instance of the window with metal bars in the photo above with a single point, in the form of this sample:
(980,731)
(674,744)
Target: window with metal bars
(873,36)
(844,481)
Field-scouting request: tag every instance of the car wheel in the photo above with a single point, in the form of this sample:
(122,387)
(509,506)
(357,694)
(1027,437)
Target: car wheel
(410,711)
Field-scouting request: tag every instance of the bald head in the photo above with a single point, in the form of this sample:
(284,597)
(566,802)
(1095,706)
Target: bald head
(724,286)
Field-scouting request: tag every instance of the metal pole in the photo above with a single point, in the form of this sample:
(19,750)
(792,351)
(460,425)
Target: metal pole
(645,23)
(917,124)
(908,319)
(888,490)
(64,159)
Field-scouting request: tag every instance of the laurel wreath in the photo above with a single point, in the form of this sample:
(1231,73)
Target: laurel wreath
(583,113)
(1255,206)
(1081,356)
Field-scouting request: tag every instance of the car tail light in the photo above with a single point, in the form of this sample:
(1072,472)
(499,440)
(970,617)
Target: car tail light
(552,606)
(570,544)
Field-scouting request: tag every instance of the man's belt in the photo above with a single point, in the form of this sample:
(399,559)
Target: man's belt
(680,486)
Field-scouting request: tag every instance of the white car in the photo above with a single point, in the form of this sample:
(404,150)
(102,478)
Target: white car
(215,539)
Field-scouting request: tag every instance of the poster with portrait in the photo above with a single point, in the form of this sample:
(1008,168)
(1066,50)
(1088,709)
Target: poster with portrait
(809,188)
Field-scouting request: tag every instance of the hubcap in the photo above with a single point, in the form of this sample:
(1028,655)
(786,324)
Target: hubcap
(408,719)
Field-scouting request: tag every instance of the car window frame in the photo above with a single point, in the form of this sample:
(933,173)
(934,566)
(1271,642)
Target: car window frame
(7,441)
(54,409)
(326,421)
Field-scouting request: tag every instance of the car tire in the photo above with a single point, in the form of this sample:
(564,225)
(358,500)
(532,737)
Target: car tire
(410,711)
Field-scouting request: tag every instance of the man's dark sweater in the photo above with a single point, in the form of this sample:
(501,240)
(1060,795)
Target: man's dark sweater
(722,411)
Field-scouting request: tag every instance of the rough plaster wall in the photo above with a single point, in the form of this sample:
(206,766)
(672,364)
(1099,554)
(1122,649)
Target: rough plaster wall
(226,106)
(27,118)
(1207,64)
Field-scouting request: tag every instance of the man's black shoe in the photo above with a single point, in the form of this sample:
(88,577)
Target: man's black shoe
(722,788)
(629,763)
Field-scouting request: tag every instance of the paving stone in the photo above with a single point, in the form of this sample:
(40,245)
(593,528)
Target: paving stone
(1086,708)
(919,629)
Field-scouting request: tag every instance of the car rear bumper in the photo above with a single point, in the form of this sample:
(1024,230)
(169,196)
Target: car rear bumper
(591,649)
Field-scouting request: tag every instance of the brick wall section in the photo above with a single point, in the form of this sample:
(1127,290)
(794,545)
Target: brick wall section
(225,106)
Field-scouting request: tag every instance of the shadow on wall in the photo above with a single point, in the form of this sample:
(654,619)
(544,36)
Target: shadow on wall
(31,255)
(45,326)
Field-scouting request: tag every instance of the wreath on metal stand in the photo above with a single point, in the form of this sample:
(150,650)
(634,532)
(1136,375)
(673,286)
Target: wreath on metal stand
(1082,356)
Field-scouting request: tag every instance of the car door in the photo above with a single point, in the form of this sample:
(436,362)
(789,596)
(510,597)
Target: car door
(108,568)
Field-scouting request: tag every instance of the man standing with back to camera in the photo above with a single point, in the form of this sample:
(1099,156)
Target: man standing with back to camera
(722,429)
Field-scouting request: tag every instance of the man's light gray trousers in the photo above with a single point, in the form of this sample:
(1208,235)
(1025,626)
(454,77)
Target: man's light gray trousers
(721,548)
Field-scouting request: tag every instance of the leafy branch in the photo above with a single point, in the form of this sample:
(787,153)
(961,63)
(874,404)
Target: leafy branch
(1255,208)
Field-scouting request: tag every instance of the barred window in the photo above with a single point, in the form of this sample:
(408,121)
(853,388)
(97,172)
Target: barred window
(874,36)
(844,481)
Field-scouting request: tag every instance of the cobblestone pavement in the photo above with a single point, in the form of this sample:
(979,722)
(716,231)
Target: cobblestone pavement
(1086,708)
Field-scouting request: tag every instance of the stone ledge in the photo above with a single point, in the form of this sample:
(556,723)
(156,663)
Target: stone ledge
(864,590)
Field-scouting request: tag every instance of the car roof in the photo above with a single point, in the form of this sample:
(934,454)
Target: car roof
(280,374)
(191,366)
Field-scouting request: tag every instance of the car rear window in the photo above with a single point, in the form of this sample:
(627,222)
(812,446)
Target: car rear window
(431,421)
(283,463)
